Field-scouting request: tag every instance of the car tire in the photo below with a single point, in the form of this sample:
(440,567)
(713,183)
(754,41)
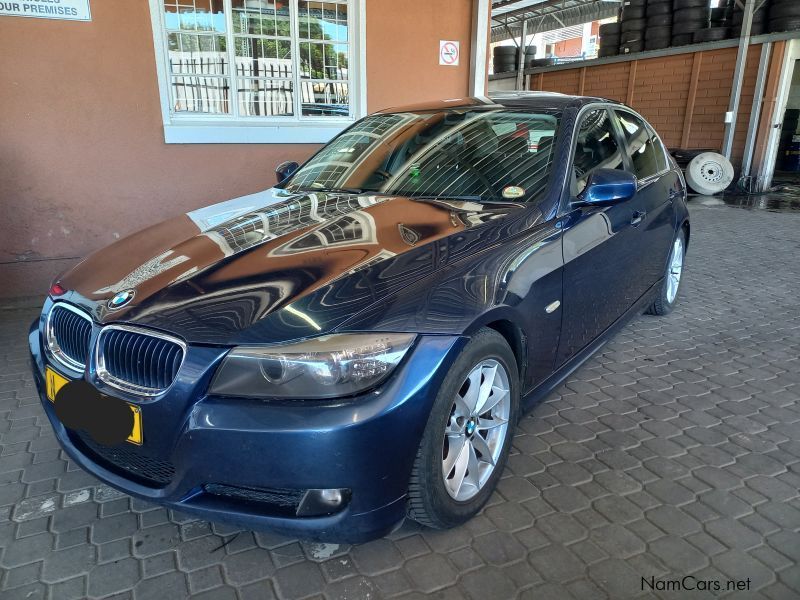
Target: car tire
(785,10)
(691,14)
(779,25)
(682,4)
(631,36)
(655,9)
(682,39)
(505,51)
(634,25)
(609,51)
(658,43)
(432,500)
(687,27)
(607,29)
(670,288)
(612,39)
(659,21)
(712,34)
(631,48)
(633,12)
(654,33)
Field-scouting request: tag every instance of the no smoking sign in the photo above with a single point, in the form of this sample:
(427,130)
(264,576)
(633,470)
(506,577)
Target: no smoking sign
(448,53)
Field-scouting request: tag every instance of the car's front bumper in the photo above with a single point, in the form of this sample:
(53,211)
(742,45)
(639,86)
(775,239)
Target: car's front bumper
(365,444)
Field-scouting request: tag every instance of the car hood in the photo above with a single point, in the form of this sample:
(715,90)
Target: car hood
(275,266)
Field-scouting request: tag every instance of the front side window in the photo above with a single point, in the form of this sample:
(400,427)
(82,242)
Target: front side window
(597,148)
(645,149)
(257,59)
(489,155)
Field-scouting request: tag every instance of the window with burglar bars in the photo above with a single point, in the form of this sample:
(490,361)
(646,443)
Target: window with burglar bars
(285,60)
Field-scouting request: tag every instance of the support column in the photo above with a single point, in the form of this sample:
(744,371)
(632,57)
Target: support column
(631,83)
(523,33)
(738,79)
(479,48)
(690,100)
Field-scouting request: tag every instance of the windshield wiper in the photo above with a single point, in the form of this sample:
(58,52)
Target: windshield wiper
(465,198)
(332,190)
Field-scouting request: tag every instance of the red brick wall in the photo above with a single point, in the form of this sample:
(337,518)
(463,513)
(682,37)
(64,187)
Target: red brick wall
(659,89)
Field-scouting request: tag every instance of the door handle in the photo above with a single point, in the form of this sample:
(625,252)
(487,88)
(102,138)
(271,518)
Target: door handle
(638,217)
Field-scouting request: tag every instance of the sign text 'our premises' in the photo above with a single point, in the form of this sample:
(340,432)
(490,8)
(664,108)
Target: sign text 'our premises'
(74,10)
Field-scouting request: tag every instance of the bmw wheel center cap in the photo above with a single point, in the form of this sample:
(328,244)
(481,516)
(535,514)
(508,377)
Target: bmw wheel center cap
(120,299)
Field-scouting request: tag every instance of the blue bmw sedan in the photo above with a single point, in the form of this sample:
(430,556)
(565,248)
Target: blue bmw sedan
(355,345)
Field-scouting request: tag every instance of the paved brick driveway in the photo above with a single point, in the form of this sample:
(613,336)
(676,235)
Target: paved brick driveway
(675,452)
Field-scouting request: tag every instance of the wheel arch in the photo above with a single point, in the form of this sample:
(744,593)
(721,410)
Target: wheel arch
(509,328)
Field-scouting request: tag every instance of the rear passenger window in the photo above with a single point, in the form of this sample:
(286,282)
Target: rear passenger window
(597,148)
(645,149)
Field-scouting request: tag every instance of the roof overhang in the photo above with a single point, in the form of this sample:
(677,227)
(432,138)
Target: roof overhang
(546,15)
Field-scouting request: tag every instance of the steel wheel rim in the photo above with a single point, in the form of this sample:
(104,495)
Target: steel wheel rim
(476,430)
(674,270)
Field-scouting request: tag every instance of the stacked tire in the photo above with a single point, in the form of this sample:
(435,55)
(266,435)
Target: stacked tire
(505,58)
(784,15)
(688,17)
(759,24)
(632,26)
(609,39)
(658,34)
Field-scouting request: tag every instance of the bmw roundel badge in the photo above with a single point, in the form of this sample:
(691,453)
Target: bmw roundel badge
(120,299)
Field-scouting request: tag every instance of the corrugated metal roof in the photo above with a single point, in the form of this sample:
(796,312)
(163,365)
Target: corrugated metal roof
(546,15)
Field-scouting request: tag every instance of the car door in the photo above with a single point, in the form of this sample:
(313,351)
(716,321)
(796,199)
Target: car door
(598,243)
(655,227)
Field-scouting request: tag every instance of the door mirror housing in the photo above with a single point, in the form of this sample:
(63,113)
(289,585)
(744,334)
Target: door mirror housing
(607,187)
(285,170)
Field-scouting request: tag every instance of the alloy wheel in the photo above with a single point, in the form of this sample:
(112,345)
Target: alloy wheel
(476,430)
(675,269)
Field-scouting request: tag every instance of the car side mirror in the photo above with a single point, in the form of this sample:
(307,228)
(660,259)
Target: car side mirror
(606,187)
(285,170)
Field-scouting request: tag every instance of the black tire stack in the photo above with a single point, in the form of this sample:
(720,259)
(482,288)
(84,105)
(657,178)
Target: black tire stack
(759,25)
(688,17)
(784,15)
(504,58)
(658,34)
(632,26)
(719,27)
(609,39)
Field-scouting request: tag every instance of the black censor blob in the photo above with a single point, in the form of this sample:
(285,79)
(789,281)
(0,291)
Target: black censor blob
(80,406)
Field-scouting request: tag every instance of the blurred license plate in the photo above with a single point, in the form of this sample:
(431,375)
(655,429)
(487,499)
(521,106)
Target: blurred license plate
(55,382)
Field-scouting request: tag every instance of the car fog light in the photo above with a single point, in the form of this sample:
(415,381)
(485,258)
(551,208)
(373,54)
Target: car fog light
(317,503)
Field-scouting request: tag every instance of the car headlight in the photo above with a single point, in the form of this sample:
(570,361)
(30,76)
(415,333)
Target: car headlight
(323,367)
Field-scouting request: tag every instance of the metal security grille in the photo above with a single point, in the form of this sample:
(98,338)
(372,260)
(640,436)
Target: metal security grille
(256,58)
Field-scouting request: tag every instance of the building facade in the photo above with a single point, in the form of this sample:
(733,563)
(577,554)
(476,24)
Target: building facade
(158,107)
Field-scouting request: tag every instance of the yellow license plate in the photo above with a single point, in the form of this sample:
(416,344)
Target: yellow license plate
(55,382)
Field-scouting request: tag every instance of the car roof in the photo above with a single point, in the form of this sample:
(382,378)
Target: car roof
(524,100)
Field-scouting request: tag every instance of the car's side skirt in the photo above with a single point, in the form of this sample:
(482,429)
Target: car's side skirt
(540,391)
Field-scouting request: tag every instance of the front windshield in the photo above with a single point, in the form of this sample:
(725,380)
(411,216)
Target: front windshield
(487,155)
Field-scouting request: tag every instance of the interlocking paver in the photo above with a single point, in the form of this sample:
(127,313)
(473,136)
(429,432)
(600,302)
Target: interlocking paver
(676,450)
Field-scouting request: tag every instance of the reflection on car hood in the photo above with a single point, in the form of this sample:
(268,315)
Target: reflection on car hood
(274,265)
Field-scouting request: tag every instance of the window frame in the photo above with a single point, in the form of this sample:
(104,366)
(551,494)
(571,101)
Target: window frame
(196,128)
(616,132)
(641,181)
